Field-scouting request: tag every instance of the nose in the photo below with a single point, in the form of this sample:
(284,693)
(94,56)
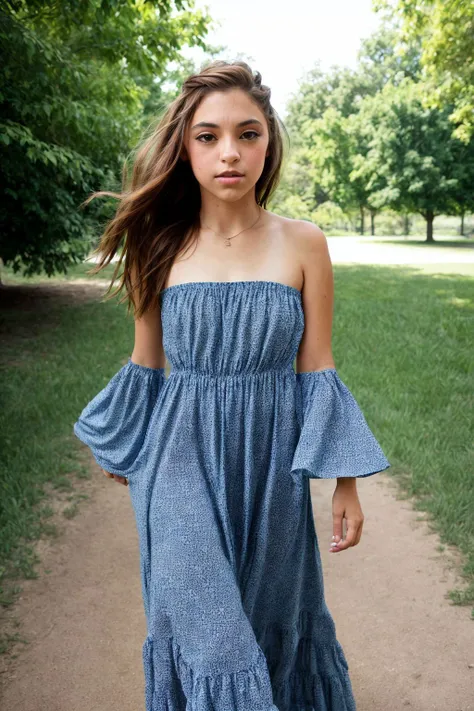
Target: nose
(230,151)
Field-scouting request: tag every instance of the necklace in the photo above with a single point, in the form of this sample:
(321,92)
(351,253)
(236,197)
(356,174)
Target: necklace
(227,243)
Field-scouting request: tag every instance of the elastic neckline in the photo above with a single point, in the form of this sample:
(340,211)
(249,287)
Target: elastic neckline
(236,284)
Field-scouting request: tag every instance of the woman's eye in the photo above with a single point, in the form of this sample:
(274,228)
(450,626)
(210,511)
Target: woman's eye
(254,132)
(204,135)
(246,133)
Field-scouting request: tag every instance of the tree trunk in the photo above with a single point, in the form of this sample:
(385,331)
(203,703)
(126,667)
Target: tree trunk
(461,232)
(362,220)
(407,224)
(372,223)
(429,217)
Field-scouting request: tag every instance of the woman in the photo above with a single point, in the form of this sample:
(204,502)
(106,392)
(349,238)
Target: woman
(218,456)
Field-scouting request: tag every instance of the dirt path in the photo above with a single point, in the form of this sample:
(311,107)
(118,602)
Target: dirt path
(406,645)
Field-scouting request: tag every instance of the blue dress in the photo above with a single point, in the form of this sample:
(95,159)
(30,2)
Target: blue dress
(218,458)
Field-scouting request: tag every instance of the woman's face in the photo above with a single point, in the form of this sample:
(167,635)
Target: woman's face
(215,142)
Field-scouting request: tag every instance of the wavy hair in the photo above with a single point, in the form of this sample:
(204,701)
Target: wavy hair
(159,211)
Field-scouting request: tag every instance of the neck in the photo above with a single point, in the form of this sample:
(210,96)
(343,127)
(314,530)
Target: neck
(226,219)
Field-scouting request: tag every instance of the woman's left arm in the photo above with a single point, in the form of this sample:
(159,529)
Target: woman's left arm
(335,440)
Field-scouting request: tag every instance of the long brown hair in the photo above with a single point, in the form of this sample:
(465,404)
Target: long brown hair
(158,213)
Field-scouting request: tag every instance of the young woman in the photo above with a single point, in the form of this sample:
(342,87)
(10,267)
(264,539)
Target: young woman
(218,456)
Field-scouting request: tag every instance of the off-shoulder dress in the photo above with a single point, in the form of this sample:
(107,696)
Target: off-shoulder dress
(218,458)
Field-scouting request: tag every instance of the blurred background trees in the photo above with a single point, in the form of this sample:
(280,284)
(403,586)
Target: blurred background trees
(79,82)
(380,140)
(379,149)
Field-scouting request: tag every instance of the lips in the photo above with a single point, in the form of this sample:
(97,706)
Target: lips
(229,174)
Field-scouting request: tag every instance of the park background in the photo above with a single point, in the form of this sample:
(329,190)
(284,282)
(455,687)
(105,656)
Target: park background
(377,98)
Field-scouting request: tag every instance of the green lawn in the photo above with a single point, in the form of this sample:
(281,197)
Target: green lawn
(402,343)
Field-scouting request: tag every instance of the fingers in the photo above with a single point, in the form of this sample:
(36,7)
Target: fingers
(337,528)
(120,479)
(353,535)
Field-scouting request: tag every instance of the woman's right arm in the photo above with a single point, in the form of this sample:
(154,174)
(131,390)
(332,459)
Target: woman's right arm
(148,348)
(147,351)
(115,422)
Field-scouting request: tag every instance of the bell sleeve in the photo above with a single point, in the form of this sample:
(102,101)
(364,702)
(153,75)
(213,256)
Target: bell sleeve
(334,440)
(114,423)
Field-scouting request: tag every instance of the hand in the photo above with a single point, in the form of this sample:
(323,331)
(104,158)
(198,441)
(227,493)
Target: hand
(346,504)
(121,479)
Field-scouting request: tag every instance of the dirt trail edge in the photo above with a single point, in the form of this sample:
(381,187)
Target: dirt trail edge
(407,646)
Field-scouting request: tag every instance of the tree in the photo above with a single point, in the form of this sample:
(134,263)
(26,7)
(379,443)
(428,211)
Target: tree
(329,146)
(446,30)
(412,164)
(74,81)
(365,140)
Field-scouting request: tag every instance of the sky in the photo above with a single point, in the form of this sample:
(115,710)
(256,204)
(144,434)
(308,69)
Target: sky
(283,39)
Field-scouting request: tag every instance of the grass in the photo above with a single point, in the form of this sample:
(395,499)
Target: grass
(78,271)
(402,343)
(54,356)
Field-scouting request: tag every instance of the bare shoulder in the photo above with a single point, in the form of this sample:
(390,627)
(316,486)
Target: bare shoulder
(313,248)
(303,234)
(310,244)
(315,351)
(304,245)
(309,237)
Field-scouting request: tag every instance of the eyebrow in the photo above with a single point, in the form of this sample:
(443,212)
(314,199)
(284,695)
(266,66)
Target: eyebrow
(208,124)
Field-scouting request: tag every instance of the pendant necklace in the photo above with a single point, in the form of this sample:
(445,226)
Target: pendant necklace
(227,242)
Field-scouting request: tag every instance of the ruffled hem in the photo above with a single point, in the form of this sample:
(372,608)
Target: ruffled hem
(335,440)
(318,681)
(181,689)
(115,422)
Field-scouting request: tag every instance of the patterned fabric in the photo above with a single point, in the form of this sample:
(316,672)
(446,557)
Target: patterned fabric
(230,565)
(115,421)
(335,439)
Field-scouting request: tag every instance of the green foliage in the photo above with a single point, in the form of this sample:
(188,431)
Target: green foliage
(411,163)
(329,214)
(366,141)
(446,30)
(75,80)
